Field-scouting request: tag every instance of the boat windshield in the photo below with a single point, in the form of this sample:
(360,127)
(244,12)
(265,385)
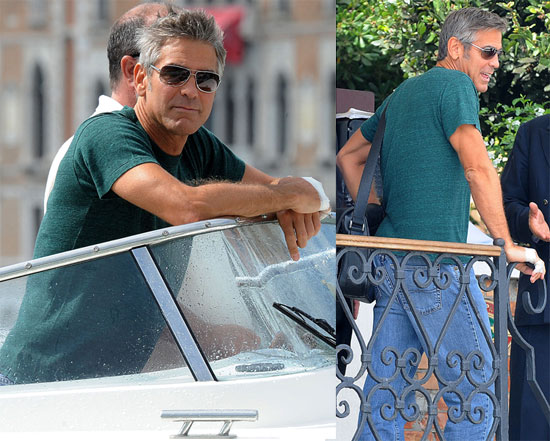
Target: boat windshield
(100,316)
(228,285)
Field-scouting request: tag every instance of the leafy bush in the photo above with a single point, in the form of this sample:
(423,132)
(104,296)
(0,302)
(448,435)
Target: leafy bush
(503,122)
(364,59)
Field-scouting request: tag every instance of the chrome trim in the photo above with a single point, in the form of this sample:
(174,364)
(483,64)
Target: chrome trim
(184,338)
(112,247)
(127,243)
(188,417)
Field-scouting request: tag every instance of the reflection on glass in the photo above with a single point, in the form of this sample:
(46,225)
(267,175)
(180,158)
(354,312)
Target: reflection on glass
(226,283)
(93,319)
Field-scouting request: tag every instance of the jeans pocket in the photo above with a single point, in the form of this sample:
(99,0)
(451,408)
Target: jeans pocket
(424,294)
(385,286)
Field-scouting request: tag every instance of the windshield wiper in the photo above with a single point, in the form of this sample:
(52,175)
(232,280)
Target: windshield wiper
(300,316)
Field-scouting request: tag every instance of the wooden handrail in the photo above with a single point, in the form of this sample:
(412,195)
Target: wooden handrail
(428,246)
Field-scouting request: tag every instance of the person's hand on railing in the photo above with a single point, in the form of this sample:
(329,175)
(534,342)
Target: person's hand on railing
(298,229)
(515,253)
(304,195)
(303,221)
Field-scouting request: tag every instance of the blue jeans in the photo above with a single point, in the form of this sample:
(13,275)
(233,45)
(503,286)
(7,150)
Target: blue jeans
(396,367)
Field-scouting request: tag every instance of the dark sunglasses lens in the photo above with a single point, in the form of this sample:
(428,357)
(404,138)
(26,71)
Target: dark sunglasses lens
(174,75)
(489,52)
(207,81)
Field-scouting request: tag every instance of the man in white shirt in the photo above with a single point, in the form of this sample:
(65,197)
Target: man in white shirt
(123,54)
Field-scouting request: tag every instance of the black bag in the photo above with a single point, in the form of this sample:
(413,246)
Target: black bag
(345,128)
(362,220)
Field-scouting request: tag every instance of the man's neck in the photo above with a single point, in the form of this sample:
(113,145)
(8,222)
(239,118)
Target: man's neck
(125,99)
(447,63)
(170,144)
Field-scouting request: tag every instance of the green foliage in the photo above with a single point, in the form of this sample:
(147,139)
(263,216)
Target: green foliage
(381,43)
(363,58)
(503,122)
(526,67)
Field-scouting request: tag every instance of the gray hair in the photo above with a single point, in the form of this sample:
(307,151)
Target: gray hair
(192,24)
(464,24)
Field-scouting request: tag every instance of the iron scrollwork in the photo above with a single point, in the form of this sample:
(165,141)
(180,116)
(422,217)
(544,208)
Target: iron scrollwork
(434,271)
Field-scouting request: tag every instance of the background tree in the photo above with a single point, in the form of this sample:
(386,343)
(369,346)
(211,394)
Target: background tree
(381,43)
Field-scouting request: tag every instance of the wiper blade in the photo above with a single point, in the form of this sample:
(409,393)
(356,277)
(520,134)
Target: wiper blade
(300,316)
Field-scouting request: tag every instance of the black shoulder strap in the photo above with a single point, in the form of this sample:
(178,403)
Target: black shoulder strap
(358,222)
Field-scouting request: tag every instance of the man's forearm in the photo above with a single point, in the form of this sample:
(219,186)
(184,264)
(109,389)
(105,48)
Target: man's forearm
(151,188)
(487,195)
(482,179)
(485,188)
(351,163)
(351,173)
(248,200)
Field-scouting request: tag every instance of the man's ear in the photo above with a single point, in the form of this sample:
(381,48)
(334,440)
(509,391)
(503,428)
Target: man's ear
(140,79)
(127,65)
(455,48)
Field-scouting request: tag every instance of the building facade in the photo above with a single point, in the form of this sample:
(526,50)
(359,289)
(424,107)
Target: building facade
(275,107)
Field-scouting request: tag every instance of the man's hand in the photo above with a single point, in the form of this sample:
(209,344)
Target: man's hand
(298,228)
(303,196)
(515,253)
(537,223)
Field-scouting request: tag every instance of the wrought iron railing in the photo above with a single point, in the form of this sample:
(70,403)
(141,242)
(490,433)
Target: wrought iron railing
(472,398)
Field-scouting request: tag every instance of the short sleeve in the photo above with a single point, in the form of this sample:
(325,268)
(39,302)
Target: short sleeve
(459,104)
(368,128)
(107,146)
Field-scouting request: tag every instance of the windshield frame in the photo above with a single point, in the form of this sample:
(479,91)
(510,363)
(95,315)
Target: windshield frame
(128,243)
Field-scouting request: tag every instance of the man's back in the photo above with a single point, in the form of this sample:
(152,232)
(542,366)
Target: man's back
(425,193)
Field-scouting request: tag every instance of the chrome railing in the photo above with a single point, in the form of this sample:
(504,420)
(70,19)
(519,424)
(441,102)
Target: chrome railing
(99,250)
(402,390)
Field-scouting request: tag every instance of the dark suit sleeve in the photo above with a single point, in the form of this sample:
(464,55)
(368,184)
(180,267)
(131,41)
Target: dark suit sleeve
(515,188)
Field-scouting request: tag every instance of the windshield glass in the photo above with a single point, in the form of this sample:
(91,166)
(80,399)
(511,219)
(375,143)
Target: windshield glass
(93,319)
(227,282)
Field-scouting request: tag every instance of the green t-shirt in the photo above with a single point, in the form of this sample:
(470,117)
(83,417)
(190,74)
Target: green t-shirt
(83,210)
(99,318)
(425,193)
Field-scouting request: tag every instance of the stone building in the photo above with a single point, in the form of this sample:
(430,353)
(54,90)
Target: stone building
(275,107)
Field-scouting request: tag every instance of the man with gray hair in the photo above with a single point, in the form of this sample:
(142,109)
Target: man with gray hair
(168,117)
(132,171)
(432,159)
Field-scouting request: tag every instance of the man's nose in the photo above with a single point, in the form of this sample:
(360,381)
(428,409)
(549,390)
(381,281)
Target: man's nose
(494,62)
(190,87)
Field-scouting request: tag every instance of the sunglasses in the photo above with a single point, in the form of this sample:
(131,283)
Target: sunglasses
(177,76)
(488,52)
